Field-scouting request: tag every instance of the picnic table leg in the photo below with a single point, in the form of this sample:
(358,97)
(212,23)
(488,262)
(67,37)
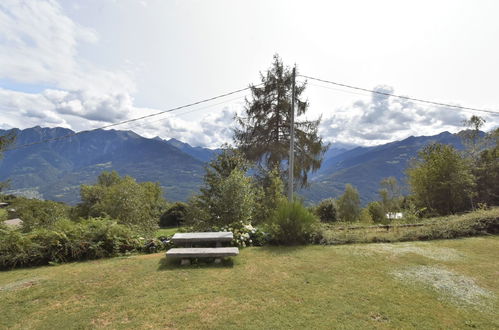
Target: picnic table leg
(185,262)
(218,260)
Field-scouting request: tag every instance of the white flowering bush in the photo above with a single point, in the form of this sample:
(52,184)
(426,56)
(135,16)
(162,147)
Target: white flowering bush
(245,234)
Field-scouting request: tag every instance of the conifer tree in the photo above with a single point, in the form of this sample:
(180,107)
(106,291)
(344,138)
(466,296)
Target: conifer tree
(264,132)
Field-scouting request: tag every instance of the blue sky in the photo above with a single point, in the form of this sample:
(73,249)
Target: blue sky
(85,64)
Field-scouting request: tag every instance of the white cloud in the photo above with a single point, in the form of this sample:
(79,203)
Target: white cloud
(211,130)
(39,46)
(383,119)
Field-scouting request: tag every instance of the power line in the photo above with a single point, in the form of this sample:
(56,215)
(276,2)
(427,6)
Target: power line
(400,96)
(340,90)
(130,120)
(188,112)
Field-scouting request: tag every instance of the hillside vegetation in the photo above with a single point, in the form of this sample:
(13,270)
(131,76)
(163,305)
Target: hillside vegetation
(438,284)
(56,170)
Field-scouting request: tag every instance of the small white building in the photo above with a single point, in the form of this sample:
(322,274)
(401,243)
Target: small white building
(394,215)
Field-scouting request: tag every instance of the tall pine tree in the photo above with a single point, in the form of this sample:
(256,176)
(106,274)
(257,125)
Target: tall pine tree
(264,132)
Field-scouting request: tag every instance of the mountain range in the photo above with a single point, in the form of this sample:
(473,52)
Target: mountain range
(55,170)
(365,167)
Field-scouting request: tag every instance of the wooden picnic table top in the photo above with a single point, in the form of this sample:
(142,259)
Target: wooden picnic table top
(219,236)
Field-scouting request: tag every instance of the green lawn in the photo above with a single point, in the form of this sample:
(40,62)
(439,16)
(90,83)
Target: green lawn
(440,284)
(167,231)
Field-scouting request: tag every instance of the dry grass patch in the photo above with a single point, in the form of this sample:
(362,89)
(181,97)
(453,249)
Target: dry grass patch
(21,284)
(460,289)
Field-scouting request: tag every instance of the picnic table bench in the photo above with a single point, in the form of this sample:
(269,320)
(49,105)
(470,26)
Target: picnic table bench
(190,239)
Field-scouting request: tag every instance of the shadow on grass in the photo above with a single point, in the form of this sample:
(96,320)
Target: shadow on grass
(174,264)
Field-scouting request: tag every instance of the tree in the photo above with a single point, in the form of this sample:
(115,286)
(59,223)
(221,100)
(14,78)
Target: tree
(138,205)
(221,167)
(327,210)
(390,194)
(471,137)
(486,172)
(5,141)
(270,192)
(264,132)
(377,212)
(441,180)
(174,216)
(37,213)
(349,204)
(228,195)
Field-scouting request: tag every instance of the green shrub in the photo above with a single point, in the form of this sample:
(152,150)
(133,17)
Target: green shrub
(37,213)
(135,204)
(292,223)
(67,241)
(269,193)
(3,215)
(17,249)
(441,180)
(365,216)
(174,216)
(377,212)
(228,200)
(327,211)
(349,204)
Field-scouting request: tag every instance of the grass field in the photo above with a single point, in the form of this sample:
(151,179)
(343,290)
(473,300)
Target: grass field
(167,231)
(437,284)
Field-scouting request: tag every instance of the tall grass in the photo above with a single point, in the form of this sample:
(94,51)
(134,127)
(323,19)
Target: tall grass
(480,222)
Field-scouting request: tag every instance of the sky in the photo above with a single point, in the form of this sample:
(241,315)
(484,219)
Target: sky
(87,64)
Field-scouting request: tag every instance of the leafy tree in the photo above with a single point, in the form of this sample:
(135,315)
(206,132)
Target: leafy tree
(174,216)
(365,216)
(264,132)
(107,179)
(390,194)
(471,137)
(377,212)
(221,167)
(37,213)
(486,172)
(269,194)
(441,180)
(137,205)
(349,204)
(228,195)
(327,210)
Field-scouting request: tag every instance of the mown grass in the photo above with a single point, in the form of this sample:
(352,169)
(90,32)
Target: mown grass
(167,231)
(350,286)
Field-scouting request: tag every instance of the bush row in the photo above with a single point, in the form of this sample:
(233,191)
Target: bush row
(70,241)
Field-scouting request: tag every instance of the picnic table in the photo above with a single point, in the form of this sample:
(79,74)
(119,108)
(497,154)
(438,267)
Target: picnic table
(188,240)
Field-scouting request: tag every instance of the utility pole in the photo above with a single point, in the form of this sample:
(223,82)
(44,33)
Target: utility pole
(292,140)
